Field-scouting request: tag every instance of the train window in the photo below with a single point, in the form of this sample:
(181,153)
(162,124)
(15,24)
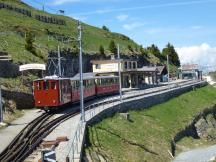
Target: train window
(77,85)
(85,83)
(73,85)
(37,85)
(40,85)
(53,85)
(45,85)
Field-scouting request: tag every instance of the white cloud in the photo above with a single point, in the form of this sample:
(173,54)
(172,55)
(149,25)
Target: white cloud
(60,2)
(122,17)
(203,54)
(133,25)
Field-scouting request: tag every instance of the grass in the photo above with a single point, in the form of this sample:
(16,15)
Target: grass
(147,136)
(11,23)
(19,84)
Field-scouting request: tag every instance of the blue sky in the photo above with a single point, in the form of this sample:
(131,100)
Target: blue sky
(184,23)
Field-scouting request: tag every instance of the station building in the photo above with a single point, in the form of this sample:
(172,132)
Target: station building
(132,76)
(190,71)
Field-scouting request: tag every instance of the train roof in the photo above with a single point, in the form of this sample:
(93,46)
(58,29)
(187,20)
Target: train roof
(86,76)
(54,77)
(91,76)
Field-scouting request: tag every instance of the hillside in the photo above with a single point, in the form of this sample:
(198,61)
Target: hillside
(14,24)
(148,134)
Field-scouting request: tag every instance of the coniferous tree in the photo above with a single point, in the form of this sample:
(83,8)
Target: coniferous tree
(173,55)
(112,47)
(29,40)
(105,28)
(101,50)
(153,49)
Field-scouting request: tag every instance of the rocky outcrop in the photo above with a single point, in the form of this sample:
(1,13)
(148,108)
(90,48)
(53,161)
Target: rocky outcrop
(205,127)
(202,126)
(22,100)
(8,69)
(70,62)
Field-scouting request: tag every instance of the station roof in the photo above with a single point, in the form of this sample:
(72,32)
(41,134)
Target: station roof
(91,76)
(188,67)
(158,69)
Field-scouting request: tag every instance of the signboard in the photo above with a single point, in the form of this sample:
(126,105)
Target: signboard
(32,67)
(48,156)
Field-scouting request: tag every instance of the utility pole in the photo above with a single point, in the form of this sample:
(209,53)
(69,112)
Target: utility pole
(59,62)
(168,68)
(119,73)
(81,71)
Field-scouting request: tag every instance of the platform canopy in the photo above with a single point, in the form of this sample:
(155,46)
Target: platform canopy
(32,67)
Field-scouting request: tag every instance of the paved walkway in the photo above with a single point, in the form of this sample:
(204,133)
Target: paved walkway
(10,132)
(206,154)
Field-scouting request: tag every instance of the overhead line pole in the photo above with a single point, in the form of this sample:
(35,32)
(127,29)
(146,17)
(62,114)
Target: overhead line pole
(59,62)
(168,69)
(119,73)
(81,71)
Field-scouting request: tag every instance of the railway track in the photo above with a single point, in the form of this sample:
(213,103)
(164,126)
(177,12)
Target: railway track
(33,134)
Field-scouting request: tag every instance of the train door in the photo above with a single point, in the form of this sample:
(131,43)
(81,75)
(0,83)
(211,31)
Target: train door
(64,91)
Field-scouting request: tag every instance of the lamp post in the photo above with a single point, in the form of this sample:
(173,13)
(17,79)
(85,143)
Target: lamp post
(81,71)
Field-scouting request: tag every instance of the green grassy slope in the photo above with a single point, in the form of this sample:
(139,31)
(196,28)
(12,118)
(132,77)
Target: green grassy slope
(148,135)
(12,22)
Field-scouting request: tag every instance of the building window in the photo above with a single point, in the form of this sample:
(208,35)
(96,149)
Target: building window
(98,66)
(134,65)
(125,65)
(130,65)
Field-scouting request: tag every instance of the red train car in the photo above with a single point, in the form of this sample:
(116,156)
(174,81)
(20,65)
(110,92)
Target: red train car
(88,87)
(106,85)
(53,92)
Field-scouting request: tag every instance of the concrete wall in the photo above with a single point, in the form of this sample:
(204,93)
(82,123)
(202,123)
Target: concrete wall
(142,103)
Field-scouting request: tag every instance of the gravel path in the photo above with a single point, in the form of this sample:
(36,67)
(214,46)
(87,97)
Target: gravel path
(197,155)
